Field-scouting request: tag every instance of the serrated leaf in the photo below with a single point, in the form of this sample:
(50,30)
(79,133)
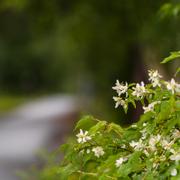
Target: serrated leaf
(85,123)
(173,55)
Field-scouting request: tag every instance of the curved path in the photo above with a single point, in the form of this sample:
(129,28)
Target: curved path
(32,127)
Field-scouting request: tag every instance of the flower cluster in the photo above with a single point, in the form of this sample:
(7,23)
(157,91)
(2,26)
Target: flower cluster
(150,107)
(121,89)
(148,149)
(83,137)
(152,145)
(159,142)
(154,78)
(140,91)
(120,102)
(173,86)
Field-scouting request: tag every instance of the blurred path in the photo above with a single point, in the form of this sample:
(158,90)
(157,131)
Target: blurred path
(31,127)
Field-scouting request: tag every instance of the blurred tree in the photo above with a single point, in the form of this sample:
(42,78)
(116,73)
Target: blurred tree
(80,46)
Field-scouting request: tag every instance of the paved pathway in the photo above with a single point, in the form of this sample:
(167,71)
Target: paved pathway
(30,128)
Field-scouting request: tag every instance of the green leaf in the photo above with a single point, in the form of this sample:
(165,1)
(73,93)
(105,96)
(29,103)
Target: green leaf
(109,162)
(116,128)
(171,123)
(169,10)
(134,164)
(131,134)
(176,178)
(177,71)
(165,10)
(166,109)
(85,123)
(99,126)
(66,171)
(177,105)
(145,117)
(173,55)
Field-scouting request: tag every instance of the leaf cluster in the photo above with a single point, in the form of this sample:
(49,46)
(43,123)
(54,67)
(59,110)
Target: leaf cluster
(155,137)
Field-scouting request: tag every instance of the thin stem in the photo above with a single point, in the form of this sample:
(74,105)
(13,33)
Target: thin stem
(111,177)
(87,173)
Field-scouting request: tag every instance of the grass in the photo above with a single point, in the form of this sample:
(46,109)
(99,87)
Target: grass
(9,102)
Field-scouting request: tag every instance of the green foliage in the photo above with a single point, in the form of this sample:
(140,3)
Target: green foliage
(52,40)
(170,9)
(148,149)
(173,56)
(8,102)
(68,46)
(86,122)
(178,71)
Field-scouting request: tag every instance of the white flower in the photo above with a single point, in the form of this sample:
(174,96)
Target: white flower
(153,141)
(172,151)
(81,152)
(98,151)
(120,88)
(176,133)
(150,107)
(175,156)
(137,145)
(173,172)
(146,152)
(173,86)
(140,145)
(155,165)
(88,151)
(166,144)
(154,77)
(123,146)
(133,144)
(120,161)
(83,136)
(139,90)
(162,158)
(144,135)
(143,131)
(134,126)
(120,102)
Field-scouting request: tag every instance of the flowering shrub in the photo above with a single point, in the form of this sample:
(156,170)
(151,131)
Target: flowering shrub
(148,149)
